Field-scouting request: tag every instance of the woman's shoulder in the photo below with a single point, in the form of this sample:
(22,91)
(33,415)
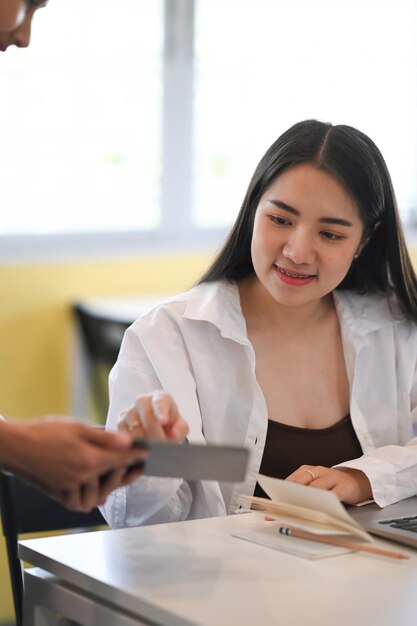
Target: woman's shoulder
(371,311)
(194,303)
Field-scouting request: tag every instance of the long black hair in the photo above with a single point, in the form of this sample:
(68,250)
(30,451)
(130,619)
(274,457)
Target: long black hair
(356,162)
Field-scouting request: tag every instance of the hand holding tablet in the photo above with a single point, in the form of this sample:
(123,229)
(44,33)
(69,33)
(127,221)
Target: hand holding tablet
(194,461)
(157,427)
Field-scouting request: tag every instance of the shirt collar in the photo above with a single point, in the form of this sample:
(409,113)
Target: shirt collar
(363,314)
(218,302)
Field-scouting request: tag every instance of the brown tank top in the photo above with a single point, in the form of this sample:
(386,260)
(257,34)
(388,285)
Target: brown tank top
(288,447)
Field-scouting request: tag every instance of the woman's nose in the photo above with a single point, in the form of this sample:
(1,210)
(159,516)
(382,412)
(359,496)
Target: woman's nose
(21,35)
(299,248)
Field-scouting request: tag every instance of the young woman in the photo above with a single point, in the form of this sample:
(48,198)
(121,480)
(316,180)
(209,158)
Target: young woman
(300,341)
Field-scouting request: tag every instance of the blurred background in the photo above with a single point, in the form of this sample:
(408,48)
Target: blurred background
(129,132)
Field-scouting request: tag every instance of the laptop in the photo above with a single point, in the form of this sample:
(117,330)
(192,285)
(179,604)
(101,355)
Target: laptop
(397,522)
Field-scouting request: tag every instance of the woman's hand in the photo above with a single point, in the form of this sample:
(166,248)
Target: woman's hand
(154,416)
(350,485)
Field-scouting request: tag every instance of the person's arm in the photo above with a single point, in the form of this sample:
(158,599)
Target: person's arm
(138,372)
(75,463)
(150,499)
(392,469)
(385,474)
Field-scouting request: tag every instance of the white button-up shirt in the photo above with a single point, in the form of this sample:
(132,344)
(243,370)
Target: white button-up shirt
(195,347)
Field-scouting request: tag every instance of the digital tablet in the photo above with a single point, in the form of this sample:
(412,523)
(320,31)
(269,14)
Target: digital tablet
(194,461)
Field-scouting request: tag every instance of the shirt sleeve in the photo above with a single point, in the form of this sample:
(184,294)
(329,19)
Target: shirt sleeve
(149,499)
(392,469)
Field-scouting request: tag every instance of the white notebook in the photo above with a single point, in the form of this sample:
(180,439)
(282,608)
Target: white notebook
(298,507)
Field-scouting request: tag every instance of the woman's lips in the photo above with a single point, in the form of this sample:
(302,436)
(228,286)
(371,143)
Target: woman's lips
(290,277)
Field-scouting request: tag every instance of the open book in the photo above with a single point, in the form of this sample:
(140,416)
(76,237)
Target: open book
(299,507)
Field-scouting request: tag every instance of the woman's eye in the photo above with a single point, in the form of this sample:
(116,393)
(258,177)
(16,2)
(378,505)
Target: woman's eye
(331,236)
(281,221)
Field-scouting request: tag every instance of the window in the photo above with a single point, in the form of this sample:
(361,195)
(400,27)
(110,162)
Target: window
(81,129)
(262,65)
(138,124)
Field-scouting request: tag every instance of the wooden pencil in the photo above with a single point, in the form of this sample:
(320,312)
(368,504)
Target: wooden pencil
(342,543)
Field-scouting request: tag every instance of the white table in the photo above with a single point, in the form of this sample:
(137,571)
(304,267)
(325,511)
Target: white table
(195,572)
(121,309)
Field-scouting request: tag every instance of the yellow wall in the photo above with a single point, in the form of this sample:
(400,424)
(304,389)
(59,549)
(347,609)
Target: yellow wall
(36,324)
(35,319)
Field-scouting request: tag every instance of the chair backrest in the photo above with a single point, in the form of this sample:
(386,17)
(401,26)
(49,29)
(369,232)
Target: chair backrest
(26,509)
(102,338)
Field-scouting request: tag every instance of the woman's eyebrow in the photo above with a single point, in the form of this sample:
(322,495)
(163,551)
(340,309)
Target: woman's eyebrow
(335,220)
(323,220)
(282,205)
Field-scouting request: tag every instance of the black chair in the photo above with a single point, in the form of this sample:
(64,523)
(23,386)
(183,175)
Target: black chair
(26,509)
(102,338)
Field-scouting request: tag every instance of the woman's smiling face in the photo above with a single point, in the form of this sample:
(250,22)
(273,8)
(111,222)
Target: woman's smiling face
(307,230)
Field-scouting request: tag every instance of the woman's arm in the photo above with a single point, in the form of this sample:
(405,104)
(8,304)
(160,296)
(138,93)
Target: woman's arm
(150,499)
(392,469)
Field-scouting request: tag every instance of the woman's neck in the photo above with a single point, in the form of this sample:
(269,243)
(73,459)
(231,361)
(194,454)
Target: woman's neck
(262,312)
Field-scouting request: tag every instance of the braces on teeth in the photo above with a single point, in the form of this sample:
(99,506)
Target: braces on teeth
(293,275)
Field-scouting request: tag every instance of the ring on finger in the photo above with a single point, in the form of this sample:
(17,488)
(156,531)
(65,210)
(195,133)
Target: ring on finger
(313,477)
(133,424)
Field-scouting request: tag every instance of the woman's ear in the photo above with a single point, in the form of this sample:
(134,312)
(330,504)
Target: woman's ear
(361,246)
